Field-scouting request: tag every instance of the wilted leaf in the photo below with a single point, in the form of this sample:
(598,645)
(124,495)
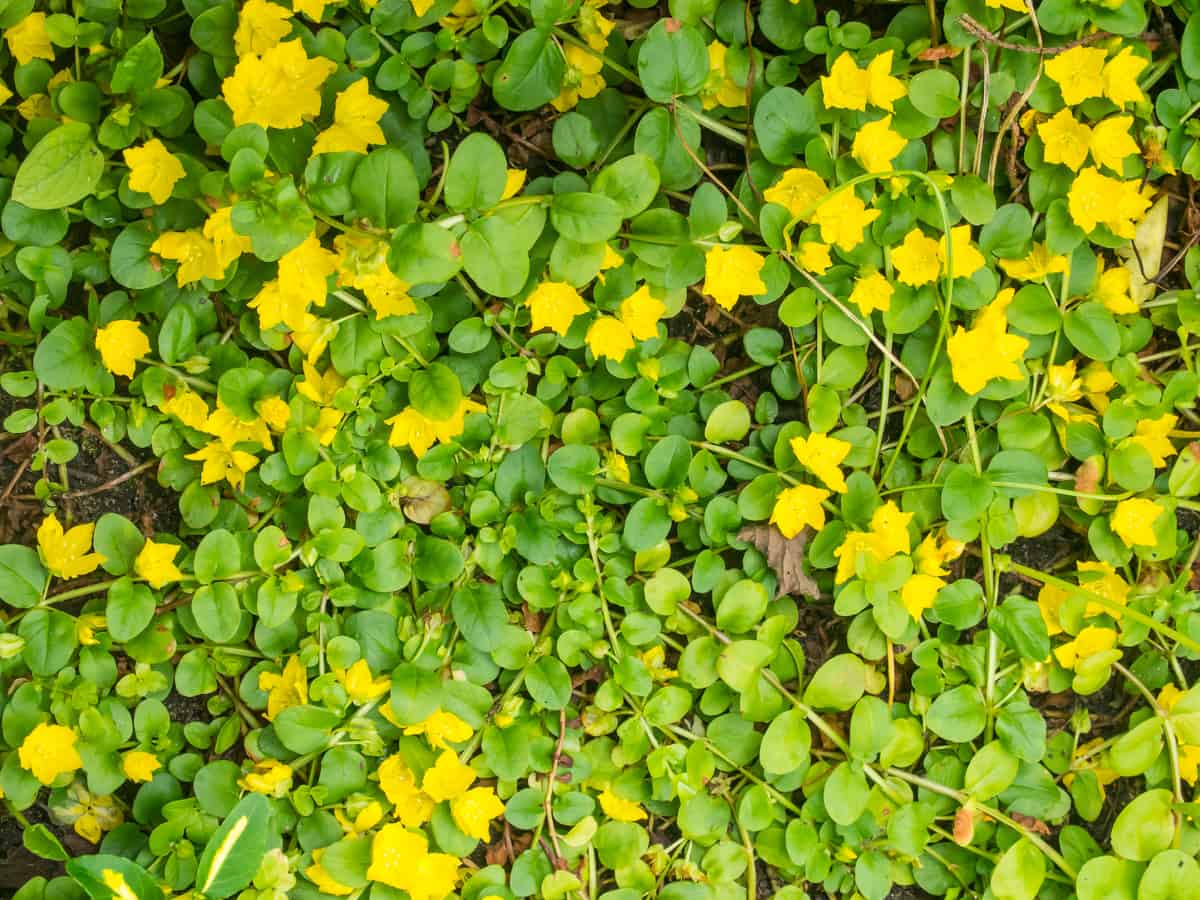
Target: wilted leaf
(785,557)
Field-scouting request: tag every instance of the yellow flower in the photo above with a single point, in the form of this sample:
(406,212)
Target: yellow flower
(1040,263)
(843,218)
(316,873)
(473,811)
(441,729)
(1078,73)
(315,10)
(275,412)
(360,685)
(609,337)
(305,269)
(883,89)
(138,765)
(49,751)
(846,86)
(418,432)
(932,554)
(90,815)
(582,78)
(1112,289)
(411,806)
(155,563)
(514,180)
(188,407)
(269,777)
(153,169)
(554,305)
(1014,5)
(261,26)
(593,27)
(720,89)
(290,688)
(28,39)
(876,145)
(66,555)
(1111,143)
(917,259)
(1101,579)
(1065,140)
(36,106)
(1120,77)
(619,808)
(1169,696)
(364,820)
(121,344)
(279,89)
(967,258)
(872,292)
(656,661)
(447,778)
(889,527)
(821,455)
(1153,435)
(223,464)
(227,244)
(196,255)
(1095,199)
(1089,642)
(1050,600)
(919,593)
(5,93)
(312,335)
(355,125)
(797,507)
(1189,762)
(1133,521)
(86,627)
(401,859)
(797,190)
(222,423)
(813,256)
(640,312)
(732,272)
(987,351)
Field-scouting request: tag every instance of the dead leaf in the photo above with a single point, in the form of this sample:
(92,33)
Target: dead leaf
(785,556)
(964,825)
(1037,826)
(422,499)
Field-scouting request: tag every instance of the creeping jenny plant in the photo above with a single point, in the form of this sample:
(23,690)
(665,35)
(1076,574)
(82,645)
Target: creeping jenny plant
(702,450)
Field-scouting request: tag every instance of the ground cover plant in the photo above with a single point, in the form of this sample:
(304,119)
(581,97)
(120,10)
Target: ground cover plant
(541,448)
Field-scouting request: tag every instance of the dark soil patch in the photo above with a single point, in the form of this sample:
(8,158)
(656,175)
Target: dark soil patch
(187,709)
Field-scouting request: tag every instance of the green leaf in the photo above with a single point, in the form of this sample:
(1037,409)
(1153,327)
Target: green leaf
(990,771)
(786,743)
(96,873)
(22,576)
(140,67)
(585,218)
(424,254)
(40,840)
(846,794)
(1020,872)
(234,852)
(957,715)
(119,541)
(493,258)
(531,73)
(838,684)
(62,168)
(632,182)
(66,359)
(476,175)
(435,392)
(784,122)
(673,61)
(384,187)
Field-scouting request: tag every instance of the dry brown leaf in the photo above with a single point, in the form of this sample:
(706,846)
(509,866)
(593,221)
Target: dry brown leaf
(785,557)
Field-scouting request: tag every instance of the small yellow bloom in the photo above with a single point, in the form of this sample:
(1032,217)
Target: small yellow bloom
(411,805)
(261,26)
(316,873)
(1112,289)
(401,859)
(304,270)
(140,766)
(1065,139)
(223,464)
(1111,143)
(1039,264)
(269,777)
(797,189)
(315,10)
(279,89)
(619,808)
(798,507)
(188,407)
(66,554)
(889,528)
(1153,435)
(448,778)
(967,259)
(732,272)
(582,79)
(275,413)
(822,455)
(1096,199)
(121,344)
(919,593)
(514,180)
(987,351)
(442,729)
(1078,73)
(49,751)
(1101,579)
(640,312)
(154,170)
(883,89)
(554,305)
(872,292)
(474,811)
(155,563)
(1014,5)
(1050,600)
(1120,77)
(610,338)
(814,257)
(287,689)
(720,89)
(843,218)
(29,40)
(1169,696)
(1133,521)
(355,125)
(196,255)
(932,554)
(876,145)
(360,686)
(917,259)
(846,86)
(227,243)
(418,432)
(1091,641)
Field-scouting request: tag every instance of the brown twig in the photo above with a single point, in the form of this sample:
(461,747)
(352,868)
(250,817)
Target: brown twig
(989,37)
(556,858)
(113,482)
